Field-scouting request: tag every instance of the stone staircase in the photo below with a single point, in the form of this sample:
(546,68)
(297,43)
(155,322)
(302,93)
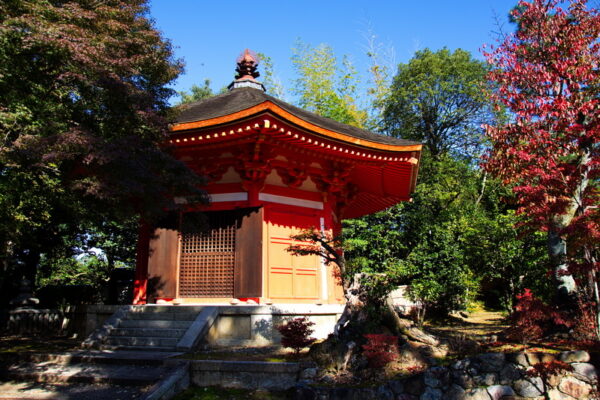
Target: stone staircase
(92,374)
(157,328)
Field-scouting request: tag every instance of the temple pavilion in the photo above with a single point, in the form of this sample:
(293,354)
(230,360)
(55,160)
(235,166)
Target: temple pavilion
(272,170)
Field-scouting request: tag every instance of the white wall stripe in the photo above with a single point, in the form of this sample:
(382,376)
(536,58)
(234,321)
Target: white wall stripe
(273,198)
(221,197)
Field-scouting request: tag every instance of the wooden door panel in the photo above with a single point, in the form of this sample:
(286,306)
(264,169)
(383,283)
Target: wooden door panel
(290,276)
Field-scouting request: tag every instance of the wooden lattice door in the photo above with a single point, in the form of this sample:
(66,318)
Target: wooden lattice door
(207,259)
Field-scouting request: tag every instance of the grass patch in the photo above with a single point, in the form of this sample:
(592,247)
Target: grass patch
(215,393)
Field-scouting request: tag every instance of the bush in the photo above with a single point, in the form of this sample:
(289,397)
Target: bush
(380,349)
(296,333)
(533,319)
(545,370)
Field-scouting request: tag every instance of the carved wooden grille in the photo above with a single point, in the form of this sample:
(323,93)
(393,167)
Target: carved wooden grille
(207,261)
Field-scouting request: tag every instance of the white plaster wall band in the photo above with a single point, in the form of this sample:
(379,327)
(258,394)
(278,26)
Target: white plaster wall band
(221,197)
(273,198)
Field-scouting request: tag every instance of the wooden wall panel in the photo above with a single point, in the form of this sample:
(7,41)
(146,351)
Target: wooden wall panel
(162,263)
(248,254)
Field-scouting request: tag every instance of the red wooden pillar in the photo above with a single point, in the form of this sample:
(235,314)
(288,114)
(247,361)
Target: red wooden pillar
(140,282)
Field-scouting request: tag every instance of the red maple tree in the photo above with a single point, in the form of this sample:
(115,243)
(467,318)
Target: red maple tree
(548,75)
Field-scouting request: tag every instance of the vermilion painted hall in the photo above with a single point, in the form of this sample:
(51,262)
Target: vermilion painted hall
(273,169)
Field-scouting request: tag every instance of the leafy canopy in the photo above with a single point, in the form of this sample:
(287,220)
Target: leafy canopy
(324,86)
(83,118)
(441,99)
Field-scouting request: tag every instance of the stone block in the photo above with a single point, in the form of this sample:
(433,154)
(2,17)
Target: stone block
(531,387)
(574,356)
(518,358)
(574,387)
(308,373)
(491,362)
(497,392)
(463,379)
(234,327)
(261,328)
(384,393)
(555,394)
(461,364)
(509,374)
(476,394)
(432,394)
(486,379)
(455,392)
(585,371)
(397,386)
(535,358)
(436,377)
(414,385)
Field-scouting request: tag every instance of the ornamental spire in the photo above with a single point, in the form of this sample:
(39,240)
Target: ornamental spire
(246,71)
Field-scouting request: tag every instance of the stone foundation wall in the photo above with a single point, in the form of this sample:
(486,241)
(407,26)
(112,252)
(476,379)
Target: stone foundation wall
(256,325)
(491,376)
(247,374)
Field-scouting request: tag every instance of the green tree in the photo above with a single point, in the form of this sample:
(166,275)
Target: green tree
(434,243)
(196,93)
(269,78)
(325,86)
(83,121)
(439,98)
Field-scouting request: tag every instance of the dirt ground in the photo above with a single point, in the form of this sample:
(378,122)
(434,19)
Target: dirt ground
(480,325)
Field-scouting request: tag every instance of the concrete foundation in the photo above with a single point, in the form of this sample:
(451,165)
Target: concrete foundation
(257,325)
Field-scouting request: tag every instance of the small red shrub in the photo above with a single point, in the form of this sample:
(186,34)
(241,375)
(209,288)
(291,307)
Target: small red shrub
(545,369)
(533,319)
(296,333)
(380,349)
(587,325)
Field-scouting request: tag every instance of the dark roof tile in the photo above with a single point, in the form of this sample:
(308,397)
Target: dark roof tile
(243,98)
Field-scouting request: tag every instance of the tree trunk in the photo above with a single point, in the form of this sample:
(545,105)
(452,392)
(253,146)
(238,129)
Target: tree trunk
(566,286)
(407,327)
(593,285)
(354,314)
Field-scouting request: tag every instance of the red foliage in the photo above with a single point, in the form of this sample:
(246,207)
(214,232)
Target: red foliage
(296,333)
(532,319)
(547,77)
(545,369)
(587,324)
(380,349)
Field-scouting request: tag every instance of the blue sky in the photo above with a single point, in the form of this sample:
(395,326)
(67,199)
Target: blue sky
(209,35)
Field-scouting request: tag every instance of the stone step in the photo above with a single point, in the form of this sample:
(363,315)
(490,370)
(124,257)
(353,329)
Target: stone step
(163,316)
(141,341)
(51,391)
(154,324)
(169,309)
(141,348)
(50,372)
(146,358)
(145,332)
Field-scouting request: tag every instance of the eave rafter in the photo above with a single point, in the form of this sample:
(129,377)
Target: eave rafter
(295,139)
(355,178)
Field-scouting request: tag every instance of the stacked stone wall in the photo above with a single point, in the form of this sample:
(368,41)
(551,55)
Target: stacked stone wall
(490,376)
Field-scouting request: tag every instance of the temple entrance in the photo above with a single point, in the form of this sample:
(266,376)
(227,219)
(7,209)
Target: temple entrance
(207,258)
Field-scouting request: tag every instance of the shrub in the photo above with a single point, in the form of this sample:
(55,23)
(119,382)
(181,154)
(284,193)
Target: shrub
(380,349)
(533,319)
(296,333)
(587,324)
(546,369)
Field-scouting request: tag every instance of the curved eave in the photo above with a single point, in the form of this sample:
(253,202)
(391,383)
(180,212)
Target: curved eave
(274,108)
